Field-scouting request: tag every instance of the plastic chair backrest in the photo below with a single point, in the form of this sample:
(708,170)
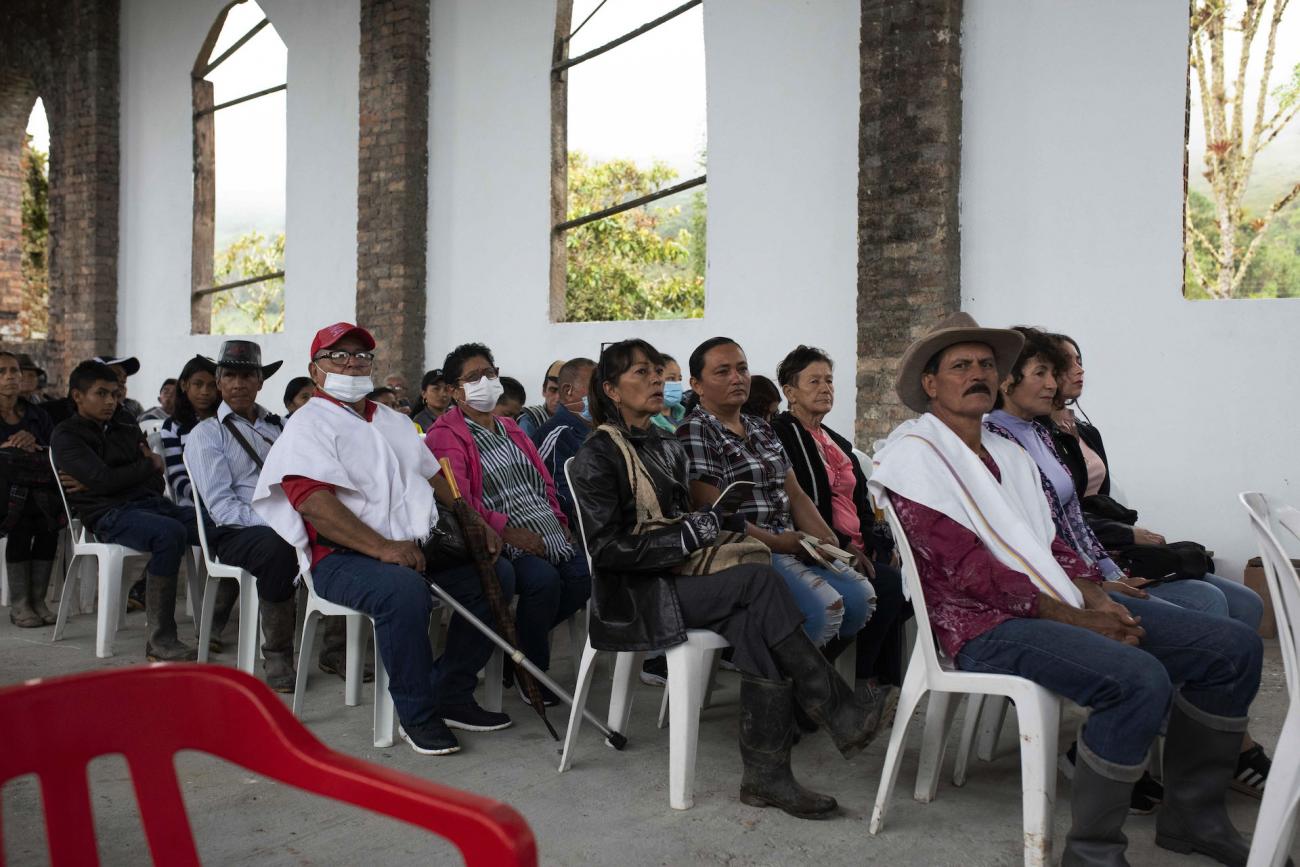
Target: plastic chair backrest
(228,714)
(197,496)
(67,510)
(924,634)
(1283,584)
(577,509)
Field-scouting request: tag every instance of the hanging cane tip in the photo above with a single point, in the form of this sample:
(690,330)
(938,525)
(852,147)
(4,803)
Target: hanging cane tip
(616,740)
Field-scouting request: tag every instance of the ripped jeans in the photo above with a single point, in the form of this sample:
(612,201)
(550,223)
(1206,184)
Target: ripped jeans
(835,601)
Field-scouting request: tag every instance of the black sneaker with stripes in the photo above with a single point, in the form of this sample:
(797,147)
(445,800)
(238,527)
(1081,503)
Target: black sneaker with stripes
(1252,772)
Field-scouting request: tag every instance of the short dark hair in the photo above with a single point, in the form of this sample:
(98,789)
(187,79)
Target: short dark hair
(297,384)
(432,377)
(668,359)
(762,394)
(166,382)
(573,370)
(454,363)
(88,373)
(512,389)
(381,391)
(7,354)
(696,362)
(787,372)
(615,360)
(1038,344)
(184,411)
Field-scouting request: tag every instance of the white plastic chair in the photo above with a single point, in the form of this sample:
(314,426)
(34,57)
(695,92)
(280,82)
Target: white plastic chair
(1037,710)
(214,570)
(4,574)
(318,607)
(689,668)
(110,558)
(1275,828)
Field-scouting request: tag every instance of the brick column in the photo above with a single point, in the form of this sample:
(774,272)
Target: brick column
(392,183)
(909,153)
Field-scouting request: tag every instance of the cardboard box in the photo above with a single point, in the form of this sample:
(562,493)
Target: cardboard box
(1256,581)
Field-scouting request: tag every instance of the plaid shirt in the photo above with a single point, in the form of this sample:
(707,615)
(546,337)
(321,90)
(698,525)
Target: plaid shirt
(718,457)
(512,486)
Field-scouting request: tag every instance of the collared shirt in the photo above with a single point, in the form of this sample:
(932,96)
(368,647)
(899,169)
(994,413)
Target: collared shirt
(512,486)
(718,457)
(225,473)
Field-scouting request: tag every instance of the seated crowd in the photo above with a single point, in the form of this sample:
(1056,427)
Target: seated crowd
(705,505)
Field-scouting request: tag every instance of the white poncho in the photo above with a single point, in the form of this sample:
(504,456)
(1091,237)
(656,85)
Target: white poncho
(926,462)
(379,469)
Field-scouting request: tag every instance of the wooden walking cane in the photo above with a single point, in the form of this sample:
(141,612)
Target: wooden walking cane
(487,574)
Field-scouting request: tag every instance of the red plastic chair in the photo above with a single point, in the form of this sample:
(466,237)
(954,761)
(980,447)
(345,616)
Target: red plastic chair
(149,713)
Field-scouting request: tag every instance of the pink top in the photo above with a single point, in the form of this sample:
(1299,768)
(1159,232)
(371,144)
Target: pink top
(1096,468)
(839,469)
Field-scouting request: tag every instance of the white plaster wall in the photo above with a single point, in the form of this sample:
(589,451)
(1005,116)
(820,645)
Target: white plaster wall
(782,121)
(160,40)
(1071,219)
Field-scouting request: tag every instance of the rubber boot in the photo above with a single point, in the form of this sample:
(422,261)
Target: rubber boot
(160,612)
(334,650)
(766,734)
(227,595)
(1199,764)
(279,622)
(41,570)
(21,612)
(825,697)
(1099,806)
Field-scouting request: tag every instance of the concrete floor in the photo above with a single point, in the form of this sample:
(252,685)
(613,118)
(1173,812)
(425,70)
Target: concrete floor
(611,808)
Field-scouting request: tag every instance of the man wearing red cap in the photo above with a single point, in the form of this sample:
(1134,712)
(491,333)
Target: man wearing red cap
(352,489)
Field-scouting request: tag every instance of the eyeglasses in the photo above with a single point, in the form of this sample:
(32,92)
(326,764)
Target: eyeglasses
(476,375)
(342,356)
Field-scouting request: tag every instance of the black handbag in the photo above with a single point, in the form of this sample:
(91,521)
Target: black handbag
(445,548)
(1172,562)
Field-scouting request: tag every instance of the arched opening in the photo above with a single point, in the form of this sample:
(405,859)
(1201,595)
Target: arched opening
(239,95)
(23,209)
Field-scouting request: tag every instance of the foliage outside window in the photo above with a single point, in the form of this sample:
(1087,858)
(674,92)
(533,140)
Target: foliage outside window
(628,201)
(34,318)
(1242,223)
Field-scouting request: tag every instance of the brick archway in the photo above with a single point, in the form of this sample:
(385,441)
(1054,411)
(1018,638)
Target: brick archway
(17,97)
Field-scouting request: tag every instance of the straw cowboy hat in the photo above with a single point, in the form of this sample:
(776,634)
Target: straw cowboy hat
(957,328)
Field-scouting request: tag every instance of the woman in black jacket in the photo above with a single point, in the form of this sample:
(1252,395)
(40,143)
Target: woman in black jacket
(641,600)
(823,462)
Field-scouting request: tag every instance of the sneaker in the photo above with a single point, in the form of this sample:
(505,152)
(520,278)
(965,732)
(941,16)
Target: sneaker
(654,671)
(135,596)
(882,701)
(431,738)
(472,718)
(1252,772)
(1147,794)
(548,698)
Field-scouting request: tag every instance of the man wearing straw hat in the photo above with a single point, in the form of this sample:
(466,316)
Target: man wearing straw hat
(1005,595)
(351,487)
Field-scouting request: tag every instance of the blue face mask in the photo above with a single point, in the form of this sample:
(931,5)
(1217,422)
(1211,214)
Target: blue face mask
(585,413)
(672,393)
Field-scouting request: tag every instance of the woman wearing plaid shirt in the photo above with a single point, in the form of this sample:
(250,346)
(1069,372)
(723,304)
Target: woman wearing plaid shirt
(726,446)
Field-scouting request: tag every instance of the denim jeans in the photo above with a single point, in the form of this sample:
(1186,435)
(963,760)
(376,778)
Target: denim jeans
(835,601)
(154,524)
(548,595)
(1212,662)
(1214,595)
(401,603)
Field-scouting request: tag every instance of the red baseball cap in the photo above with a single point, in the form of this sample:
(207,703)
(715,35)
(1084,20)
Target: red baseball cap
(332,334)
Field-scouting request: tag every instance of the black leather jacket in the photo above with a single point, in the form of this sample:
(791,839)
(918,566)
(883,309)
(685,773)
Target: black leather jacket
(634,602)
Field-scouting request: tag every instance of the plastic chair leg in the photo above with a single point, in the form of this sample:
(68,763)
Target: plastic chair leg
(355,664)
(492,674)
(305,651)
(706,687)
(384,711)
(4,575)
(197,579)
(974,703)
(110,594)
(626,666)
(246,650)
(1039,718)
(575,639)
(847,663)
(934,741)
(686,667)
(205,618)
(993,718)
(1276,825)
(914,688)
(70,579)
(586,668)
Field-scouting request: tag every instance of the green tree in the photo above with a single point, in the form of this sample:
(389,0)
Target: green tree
(34,318)
(259,307)
(622,267)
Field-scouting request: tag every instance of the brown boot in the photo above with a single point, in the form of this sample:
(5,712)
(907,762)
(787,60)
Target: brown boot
(227,595)
(21,611)
(160,612)
(279,620)
(41,570)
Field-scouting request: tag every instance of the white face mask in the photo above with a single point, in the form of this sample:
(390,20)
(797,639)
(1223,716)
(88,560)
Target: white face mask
(348,389)
(483,394)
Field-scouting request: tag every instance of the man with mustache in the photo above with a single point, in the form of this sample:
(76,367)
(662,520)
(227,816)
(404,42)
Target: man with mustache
(1006,595)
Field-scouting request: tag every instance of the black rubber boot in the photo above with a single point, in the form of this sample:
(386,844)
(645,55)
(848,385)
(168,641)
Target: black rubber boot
(21,611)
(227,596)
(824,695)
(1099,806)
(1199,763)
(41,571)
(160,612)
(766,734)
(279,622)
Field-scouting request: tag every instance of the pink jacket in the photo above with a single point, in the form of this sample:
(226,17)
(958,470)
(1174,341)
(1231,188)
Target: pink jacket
(450,438)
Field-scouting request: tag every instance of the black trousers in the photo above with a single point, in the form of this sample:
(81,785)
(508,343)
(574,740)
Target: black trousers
(34,537)
(750,606)
(260,550)
(880,643)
